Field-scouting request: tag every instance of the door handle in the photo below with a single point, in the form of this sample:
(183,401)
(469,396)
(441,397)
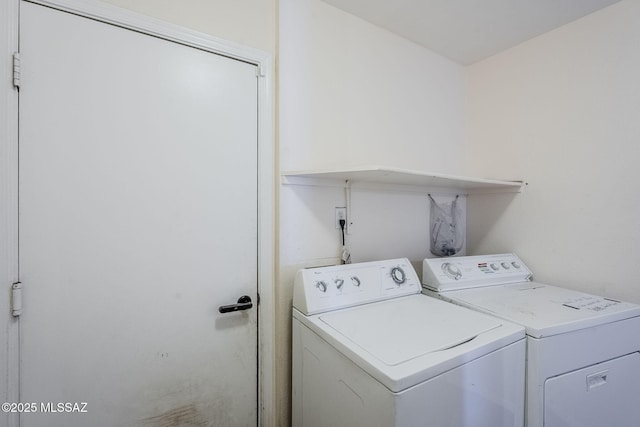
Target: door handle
(244,303)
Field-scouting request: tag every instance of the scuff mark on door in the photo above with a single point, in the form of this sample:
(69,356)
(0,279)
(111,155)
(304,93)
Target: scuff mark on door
(183,416)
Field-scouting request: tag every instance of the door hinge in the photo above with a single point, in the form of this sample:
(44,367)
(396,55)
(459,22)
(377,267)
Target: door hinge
(16,70)
(16,299)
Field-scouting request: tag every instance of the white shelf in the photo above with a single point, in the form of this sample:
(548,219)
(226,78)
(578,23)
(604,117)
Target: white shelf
(376,175)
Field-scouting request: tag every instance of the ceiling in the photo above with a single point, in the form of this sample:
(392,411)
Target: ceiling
(467,31)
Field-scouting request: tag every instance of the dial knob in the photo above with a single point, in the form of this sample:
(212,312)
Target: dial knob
(355,281)
(398,275)
(339,283)
(321,286)
(516,264)
(506,265)
(494,267)
(451,270)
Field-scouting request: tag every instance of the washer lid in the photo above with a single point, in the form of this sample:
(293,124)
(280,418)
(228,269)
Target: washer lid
(403,329)
(405,341)
(542,309)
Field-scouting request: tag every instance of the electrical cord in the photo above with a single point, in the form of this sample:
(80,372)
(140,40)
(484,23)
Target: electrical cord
(346,256)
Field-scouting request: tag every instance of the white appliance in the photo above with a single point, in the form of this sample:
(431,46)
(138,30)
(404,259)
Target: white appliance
(370,350)
(583,351)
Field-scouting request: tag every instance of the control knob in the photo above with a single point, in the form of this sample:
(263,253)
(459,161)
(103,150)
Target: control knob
(398,275)
(452,270)
(321,286)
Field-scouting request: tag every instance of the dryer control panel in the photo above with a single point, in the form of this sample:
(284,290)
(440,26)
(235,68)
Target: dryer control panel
(446,274)
(321,289)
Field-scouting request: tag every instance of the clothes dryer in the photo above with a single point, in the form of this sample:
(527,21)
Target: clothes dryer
(583,350)
(370,350)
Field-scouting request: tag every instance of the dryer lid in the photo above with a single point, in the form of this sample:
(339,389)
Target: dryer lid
(545,310)
(396,331)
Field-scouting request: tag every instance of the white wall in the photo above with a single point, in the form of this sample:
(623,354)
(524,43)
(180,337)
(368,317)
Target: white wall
(562,112)
(352,94)
(248,22)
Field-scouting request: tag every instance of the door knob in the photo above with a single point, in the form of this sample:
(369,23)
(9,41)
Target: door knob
(244,303)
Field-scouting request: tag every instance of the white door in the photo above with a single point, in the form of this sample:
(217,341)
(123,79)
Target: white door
(138,220)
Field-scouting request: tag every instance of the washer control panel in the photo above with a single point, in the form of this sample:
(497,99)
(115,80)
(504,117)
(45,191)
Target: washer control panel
(321,289)
(443,274)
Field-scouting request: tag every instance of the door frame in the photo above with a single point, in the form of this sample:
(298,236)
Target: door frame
(9,263)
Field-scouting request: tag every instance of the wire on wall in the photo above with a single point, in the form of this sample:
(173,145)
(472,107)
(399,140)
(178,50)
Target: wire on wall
(344,225)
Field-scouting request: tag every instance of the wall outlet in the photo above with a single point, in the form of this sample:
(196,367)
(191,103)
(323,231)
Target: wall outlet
(341,213)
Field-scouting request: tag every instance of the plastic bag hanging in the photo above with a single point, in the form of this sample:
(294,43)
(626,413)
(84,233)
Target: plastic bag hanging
(447,228)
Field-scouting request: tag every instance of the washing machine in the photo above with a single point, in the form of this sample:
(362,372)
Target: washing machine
(370,350)
(583,350)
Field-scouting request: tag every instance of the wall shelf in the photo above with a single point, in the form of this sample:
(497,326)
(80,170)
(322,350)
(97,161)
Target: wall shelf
(385,176)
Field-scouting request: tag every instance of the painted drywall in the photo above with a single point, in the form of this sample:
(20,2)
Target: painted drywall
(562,112)
(353,94)
(248,22)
